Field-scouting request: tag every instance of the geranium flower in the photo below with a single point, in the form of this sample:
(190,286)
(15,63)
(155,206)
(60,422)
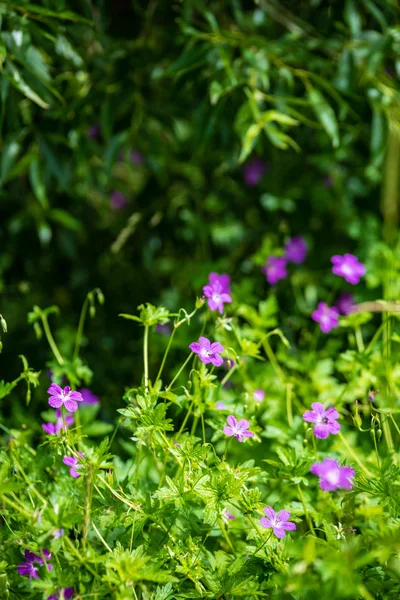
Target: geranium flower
(332,476)
(239,430)
(349,267)
(326,316)
(254,171)
(54,428)
(28,567)
(259,395)
(345,303)
(118,200)
(63,594)
(296,250)
(275,269)
(278,522)
(89,397)
(216,296)
(73,462)
(224,280)
(66,396)
(208,352)
(325,420)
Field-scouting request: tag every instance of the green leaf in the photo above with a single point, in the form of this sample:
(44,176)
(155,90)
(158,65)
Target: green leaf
(36,179)
(21,85)
(249,141)
(325,114)
(8,158)
(64,15)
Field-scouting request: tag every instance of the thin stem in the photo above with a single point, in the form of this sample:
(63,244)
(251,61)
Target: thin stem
(51,341)
(302,500)
(180,371)
(101,537)
(263,544)
(359,339)
(273,360)
(185,419)
(79,332)
(289,389)
(88,505)
(354,455)
(226,536)
(171,337)
(146,356)
(229,375)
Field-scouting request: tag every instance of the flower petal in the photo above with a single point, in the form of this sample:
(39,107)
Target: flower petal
(271,514)
(70,461)
(54,389)
(231,420)
(288,526)
(321,431)
(216,360)
(204,342)
(279,532)
(216,348)
(195,347)
(243,424)
(310,416)
(265,522)
(55,401)
(228,431)
(283,515)
(71,405)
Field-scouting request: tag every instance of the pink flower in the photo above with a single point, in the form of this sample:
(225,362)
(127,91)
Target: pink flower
(259,395)
(224,280)
(296,250)
(254,171)
(63,594)
(54,428)
(332,476)
(278,522)
(73,462)
(208,352)
(326,316)
(345,303)
(216,296)
(275,269)
(325,420)
(349,267)
(220,406)
(227,515)
(66,396)
(239,430)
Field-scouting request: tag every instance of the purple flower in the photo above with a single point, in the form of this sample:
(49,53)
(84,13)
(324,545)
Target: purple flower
(254,171)
(325,420)
(89,397)
(54,428)
(73,462)
(372,394)
(332,476)
(208,352)
(326,316)
(348,267)
(220,406)
(227,515)
(239,430)
(216,296)
(57,533)
(28,567)
(275,269)
(224,280)
(136,157)
(63,594)
(259,395)
(296,250)
(118,200)
(66,396)
(278,522)
(163,329)
(345,303)
(94,132)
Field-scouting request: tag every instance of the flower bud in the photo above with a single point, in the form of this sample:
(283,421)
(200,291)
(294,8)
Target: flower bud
(38,330)
(92,311)
(3,323)
(100,297)
(200,302)
(357,420)
(1,346)
(379,434)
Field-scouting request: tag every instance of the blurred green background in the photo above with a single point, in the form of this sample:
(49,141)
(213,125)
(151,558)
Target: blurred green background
(146,143)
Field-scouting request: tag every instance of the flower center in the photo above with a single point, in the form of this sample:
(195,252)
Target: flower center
(333,476)
(216,297)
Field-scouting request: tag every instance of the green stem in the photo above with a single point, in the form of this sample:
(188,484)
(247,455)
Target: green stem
(185,419)
(51,341)
(354,455)
(306,514)
(359,339)
(180,371)
(273,360)
(79,332)
(263,544)
(88,505)
(226,536)
(171,337)
(229,375)
(146,356)
(289,389)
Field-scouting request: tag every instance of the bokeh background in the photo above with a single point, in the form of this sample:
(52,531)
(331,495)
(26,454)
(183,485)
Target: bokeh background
(147,143)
